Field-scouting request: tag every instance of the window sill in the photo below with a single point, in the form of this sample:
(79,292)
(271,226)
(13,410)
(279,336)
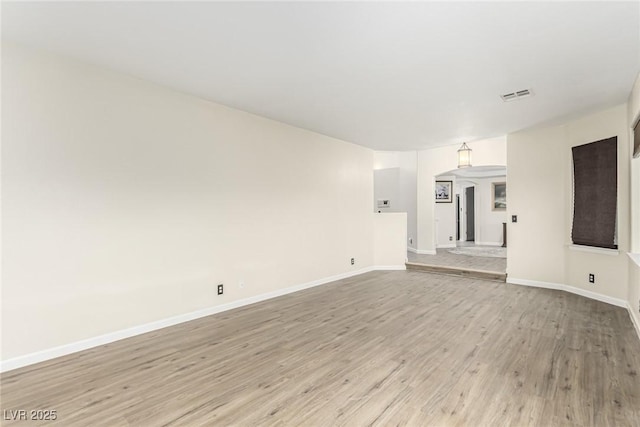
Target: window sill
(635,257)
(603,251)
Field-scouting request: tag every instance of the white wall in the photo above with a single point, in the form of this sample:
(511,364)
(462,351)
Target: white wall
(386,186)
(125,202)
(488,222)
(436,161)
(386,159)
(633,295)
(535,177)
(539,192)
(390,240)
(395,179)
(633,114)
(611,271)
(408,162)
(445,217)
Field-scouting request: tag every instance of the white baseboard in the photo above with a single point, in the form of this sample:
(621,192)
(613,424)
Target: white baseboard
(63,350)
(410,249)
(561,287)
(634,319)
(426,251)
(389,267)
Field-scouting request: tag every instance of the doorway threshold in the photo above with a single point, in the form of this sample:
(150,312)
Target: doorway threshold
(497,276)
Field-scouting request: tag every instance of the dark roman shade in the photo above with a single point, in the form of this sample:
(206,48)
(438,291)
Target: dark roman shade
(636,140)
(595,179)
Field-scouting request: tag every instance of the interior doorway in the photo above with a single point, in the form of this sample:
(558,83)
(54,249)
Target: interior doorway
(458,208)
(469,203)
(468,228)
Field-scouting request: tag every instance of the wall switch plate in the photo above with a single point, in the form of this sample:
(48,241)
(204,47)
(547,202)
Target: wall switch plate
(592,278)
(514,218)
(220,289)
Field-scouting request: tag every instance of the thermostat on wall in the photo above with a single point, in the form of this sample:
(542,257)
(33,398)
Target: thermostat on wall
(384,203)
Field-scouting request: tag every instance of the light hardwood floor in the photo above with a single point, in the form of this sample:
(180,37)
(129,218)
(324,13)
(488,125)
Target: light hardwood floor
(383,348)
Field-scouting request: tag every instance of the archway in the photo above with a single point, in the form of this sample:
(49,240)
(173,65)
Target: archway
(469,219)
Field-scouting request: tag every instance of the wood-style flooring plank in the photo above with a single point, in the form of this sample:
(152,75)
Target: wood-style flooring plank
(383,348)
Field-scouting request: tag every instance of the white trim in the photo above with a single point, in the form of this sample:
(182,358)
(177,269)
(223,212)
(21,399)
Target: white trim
(410,249)
(558,286)
(603,251)
(51,353)
(389,267)
(425,251)
(446,246)
(635,257)
(634,319)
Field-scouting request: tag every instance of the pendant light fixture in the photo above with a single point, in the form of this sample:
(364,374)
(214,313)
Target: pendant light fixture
(464,156)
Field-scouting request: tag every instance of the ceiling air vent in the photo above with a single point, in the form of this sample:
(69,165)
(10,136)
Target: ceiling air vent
(516,95)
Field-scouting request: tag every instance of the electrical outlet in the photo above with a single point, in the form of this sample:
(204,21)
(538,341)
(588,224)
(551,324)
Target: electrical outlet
(450,238)
(353,261)
(410,239)
(514,218)
(592,278)
(220,289)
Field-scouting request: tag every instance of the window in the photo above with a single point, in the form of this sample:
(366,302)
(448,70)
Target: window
(595,179)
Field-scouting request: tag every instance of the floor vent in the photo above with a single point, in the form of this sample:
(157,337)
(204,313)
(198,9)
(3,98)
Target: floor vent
(516,95)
